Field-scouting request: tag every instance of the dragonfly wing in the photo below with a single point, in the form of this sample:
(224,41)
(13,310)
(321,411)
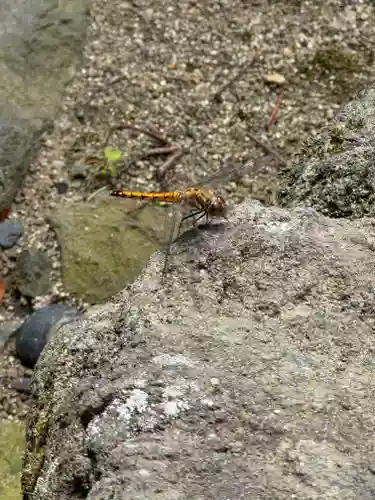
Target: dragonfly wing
(150,219)
(232,170)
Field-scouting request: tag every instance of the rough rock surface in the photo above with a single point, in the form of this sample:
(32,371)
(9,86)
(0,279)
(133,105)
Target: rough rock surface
(337,176)
(247,375)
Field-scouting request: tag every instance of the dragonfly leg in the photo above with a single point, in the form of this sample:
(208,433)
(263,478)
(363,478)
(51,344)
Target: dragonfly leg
(193,214)
(201,217)
(168,250)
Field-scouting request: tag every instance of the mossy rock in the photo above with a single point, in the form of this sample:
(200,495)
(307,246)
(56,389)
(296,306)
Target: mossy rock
(103,247)
(12,445)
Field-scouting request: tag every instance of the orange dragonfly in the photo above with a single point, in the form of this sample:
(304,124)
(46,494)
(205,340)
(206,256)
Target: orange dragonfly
(201,202)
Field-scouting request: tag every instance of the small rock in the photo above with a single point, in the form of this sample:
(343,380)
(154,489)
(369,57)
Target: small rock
(32,273)
(10,233)
(79,171)
(275,78)
(58,164)
(247,181)
(61,187)
(288,52)
(37,329)
(147,15)
(22,385)
(7,328)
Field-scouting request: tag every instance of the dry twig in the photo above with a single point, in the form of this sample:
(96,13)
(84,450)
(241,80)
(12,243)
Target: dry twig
(272,116)
(167,148)
(268,149)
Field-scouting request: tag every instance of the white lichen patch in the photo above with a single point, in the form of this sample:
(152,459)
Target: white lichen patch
(173,404)
(278,227)
(43,482)
(144,473)
(139,412)
(175,361)
(173,408)
(136,402)
(173,391)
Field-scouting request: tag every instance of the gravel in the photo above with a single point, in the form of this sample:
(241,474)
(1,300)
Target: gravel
(207,75)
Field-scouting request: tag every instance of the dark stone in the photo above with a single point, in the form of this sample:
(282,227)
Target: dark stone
(35,331)
(33,268)
(61,187)
(10,233)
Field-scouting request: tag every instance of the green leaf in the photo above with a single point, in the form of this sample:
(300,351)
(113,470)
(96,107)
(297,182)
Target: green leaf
(112,154)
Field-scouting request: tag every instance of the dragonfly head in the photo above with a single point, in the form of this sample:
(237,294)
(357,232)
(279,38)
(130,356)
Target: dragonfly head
(218,207)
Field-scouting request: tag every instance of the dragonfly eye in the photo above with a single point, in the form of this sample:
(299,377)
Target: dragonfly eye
(218,205)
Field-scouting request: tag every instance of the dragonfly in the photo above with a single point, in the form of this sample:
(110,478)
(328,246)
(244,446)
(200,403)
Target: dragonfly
(200,201)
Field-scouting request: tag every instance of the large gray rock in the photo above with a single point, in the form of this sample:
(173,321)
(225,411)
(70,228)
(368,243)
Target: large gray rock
(337,173)
(41,42)
(248,374)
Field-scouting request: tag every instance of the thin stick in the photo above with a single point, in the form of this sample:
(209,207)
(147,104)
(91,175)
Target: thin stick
(268,149)
(165,150)
(95,193)
(272,117)
(151,133)
(151,152)
(154,134)
(162,171)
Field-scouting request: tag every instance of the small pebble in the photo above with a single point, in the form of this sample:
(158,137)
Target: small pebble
(10,233)
(32,273)
(6,330)
(61,187)
(275,78)
(80,171)
(58,164)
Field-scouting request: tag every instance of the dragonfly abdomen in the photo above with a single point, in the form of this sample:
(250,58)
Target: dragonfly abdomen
(165,196)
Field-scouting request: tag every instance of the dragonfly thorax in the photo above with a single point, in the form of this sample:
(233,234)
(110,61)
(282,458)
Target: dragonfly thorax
(203,199)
